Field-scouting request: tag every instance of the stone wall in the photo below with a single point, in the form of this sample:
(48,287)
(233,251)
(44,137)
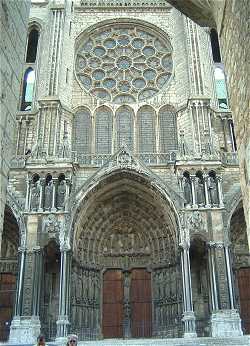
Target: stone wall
(14,18)
(235,46)
(231,18)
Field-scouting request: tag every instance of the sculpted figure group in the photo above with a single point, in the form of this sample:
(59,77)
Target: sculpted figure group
(194,189)
(48,194)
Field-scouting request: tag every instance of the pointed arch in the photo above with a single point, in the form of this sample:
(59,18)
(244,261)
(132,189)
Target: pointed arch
(82,131)
(125,127)
(146,130)
(167,129)
(103,130)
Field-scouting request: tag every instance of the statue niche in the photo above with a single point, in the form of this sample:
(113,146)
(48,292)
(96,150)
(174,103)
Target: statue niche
(48,193)
(213,189)
(187,190)
(35,193)
(61,192)
(199,189)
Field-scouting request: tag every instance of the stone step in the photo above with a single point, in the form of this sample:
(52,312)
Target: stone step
(234,341)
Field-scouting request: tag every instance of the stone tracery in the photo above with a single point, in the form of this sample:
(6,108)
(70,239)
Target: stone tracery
(124,63)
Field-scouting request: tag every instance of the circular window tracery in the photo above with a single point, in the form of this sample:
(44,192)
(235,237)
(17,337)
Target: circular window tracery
(124,63)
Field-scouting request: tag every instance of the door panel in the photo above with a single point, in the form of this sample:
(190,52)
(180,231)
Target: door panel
(141,304)
(244,291)
(112,320)
(7,299)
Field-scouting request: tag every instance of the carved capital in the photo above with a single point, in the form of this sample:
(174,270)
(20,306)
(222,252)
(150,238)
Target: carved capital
(216,245)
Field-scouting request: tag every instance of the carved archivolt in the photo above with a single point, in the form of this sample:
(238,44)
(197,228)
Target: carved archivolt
(16,208)
(125,223)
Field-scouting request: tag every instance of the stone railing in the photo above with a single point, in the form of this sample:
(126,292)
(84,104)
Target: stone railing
(227,158)
(123,3)
(147,158)
(230,158)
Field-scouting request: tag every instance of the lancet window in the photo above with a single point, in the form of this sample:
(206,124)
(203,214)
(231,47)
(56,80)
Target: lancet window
(103,131)
(146,130)
(82,131)
(167,129)
(125,127)
(29,76)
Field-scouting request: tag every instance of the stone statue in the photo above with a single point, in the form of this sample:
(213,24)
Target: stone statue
(35,195)
(48,195)
(200,193)
(187,190)
(61,193)
(213,191)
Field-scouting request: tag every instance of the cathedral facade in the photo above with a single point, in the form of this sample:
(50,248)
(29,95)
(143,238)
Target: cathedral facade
(124,213)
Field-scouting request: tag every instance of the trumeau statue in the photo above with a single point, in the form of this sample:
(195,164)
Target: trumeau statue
(61,192)
(187,190)
(48,195)
(35,195)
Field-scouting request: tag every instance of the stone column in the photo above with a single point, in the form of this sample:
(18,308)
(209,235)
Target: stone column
(221,203)
(66,201)
(225,321)
(212,278)
(229,277)
(27,199)
(38,261)
(42,182)
(63,319)
(188,314)
(25,326)
(207,203)
(192,179)
(53,205)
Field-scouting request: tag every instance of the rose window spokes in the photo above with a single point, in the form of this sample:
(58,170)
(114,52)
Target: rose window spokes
(124,63)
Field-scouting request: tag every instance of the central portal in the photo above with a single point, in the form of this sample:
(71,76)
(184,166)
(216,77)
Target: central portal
(127,304)
(126,277)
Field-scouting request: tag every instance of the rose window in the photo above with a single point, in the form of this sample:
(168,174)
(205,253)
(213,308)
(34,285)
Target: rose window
(124,63)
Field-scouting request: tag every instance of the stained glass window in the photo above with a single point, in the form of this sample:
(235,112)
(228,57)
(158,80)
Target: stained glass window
(103,130)
(125,127)
(146,130)
(168,129)
(82,132)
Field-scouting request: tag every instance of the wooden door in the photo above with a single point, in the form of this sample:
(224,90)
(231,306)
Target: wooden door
(244,291)
(112,314)
(7,300)
(141,304)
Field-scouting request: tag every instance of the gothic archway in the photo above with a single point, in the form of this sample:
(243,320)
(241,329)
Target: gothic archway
(125,237)
(50,290)
(241,264)
(8,271)
(200,284)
